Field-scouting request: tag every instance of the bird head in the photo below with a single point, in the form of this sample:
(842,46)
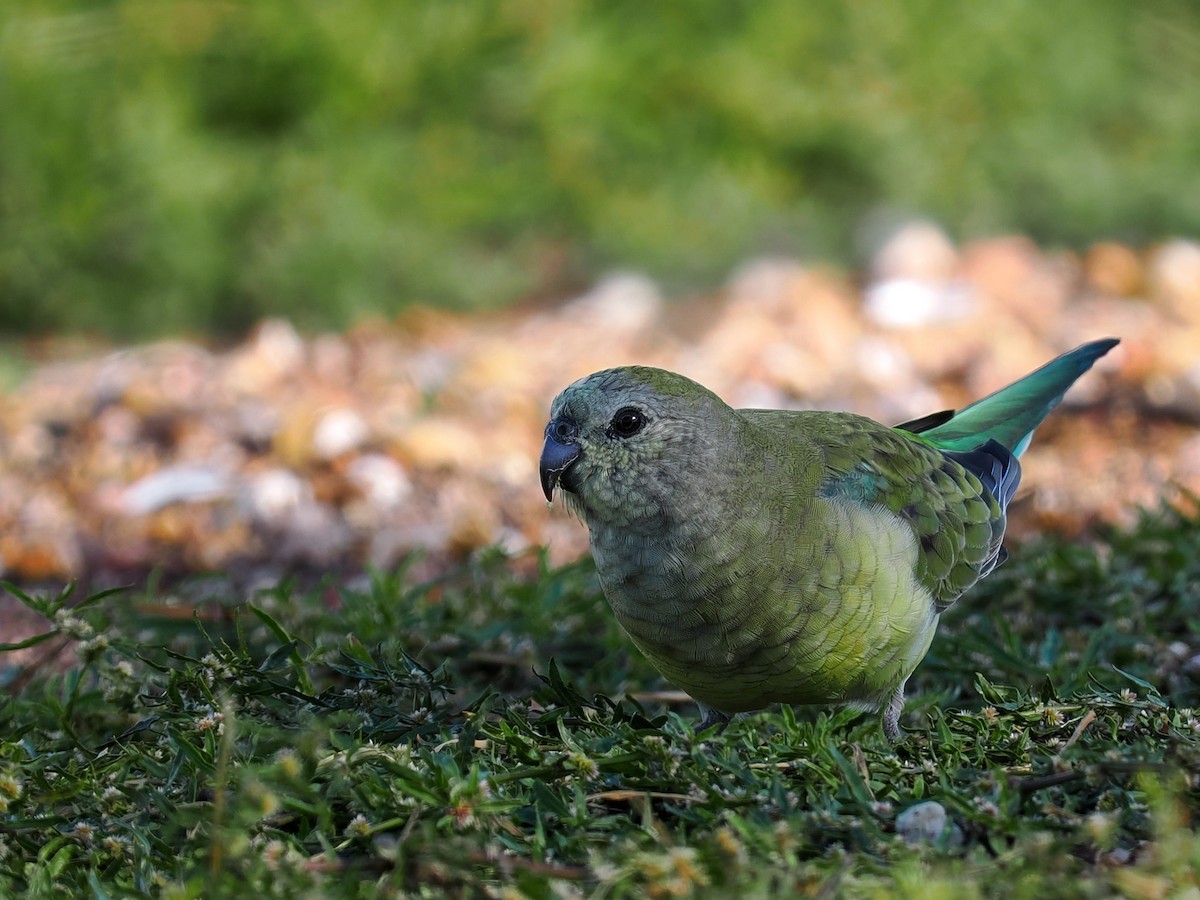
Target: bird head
(625,446)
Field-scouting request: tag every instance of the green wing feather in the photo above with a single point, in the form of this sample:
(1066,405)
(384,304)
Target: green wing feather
(957,521)
(950,475)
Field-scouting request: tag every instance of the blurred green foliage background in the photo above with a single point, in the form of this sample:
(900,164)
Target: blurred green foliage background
(176,165)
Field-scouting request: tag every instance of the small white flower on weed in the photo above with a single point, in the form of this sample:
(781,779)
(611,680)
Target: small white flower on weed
(731,845)
(1127,696)
(83,832)
(358,827)
(275,854)
(215,669)
(785,838)
(881,807)
(110,797)
(986,806)
(1101,826)
(676,873)
(266,801)
(117,845)
(72,626)
(991,715)
(464,814)
(1041,841)
(605,871)
(1051,715)
(580,762)
(289,763)
(114,693)
(94,646)
(10,785)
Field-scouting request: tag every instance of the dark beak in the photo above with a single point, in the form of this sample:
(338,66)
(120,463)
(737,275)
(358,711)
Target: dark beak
(557,457)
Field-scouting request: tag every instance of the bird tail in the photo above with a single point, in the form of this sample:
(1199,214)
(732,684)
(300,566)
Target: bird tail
(1010,415)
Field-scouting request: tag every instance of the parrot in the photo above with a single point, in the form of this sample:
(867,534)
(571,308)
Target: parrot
(760,556)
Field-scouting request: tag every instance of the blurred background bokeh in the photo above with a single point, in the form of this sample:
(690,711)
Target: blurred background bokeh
(197,165)
(289,286)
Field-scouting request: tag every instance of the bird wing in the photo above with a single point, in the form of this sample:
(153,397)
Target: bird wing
(954,501)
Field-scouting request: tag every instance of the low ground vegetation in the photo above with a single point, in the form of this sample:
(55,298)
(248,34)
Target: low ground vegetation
(493,732)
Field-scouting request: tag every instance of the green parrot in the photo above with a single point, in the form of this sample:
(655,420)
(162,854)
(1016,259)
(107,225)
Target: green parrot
(763,556)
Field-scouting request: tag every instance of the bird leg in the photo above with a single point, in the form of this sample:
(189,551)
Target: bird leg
(713,717)
(891,717)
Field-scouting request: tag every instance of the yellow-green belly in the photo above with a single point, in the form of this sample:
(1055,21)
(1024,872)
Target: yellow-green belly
(843,619)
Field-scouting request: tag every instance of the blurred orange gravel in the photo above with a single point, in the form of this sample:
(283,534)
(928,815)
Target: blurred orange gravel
(324,453)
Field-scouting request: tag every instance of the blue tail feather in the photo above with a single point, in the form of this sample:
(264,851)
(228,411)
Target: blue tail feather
(997,469)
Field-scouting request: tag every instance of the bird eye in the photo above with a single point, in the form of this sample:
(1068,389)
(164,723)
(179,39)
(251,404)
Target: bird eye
(627,422)
(562,431)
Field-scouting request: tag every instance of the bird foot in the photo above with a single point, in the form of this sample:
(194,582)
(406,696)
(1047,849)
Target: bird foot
(713,717)
(891,717)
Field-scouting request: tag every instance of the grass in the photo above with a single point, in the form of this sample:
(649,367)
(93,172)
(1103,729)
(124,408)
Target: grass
(181,165)
(478,736)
